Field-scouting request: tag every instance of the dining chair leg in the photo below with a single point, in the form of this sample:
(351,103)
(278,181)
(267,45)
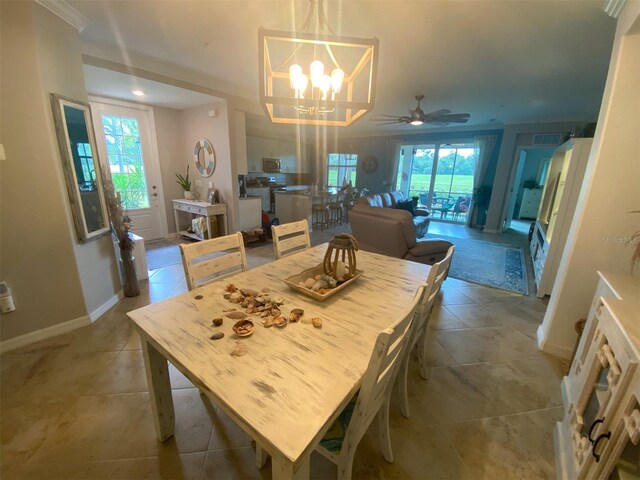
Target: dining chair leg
(422,354)
(403,383)
(383,430)
(261,456)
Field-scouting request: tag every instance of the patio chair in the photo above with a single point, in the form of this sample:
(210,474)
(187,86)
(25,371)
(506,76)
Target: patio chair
(430,290)
(461,206)
(210,260)
(290,238)
(424,198)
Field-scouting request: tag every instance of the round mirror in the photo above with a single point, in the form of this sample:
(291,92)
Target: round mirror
(204,157)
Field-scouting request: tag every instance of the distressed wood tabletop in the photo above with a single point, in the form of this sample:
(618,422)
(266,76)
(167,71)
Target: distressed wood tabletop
(288,386)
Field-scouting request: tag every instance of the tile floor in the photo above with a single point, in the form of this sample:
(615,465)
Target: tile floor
(77,406)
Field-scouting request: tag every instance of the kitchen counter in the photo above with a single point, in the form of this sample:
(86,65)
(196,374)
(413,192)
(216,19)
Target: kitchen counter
(292,206)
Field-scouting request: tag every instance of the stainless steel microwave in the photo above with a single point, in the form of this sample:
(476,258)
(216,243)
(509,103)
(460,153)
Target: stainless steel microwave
(271,165)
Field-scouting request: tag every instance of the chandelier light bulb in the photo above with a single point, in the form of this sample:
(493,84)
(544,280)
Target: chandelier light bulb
(337,77)
(325,85)
(317,71)
(417,122)
(295,71)
(301,85)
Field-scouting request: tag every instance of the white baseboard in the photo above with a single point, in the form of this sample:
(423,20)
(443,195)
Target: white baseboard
(556,350)
(102,309)
(43,334)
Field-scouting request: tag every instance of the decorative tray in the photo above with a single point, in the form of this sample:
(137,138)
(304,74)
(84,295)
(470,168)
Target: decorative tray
(295,280)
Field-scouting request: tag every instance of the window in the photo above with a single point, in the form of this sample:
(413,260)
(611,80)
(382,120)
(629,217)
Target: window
(341,169)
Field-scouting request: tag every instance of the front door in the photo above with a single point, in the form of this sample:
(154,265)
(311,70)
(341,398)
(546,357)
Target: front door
(125,148)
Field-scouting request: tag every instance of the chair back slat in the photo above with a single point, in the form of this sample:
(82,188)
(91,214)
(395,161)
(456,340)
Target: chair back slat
(290,238)
(211,259)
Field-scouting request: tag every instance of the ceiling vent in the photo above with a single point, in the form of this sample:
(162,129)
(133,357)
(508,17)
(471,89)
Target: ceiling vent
(547,139)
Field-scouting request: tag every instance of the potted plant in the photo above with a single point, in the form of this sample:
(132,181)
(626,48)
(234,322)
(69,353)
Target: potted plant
(185,183)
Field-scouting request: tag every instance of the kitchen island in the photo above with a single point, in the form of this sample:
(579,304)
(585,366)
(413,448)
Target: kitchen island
(292,206)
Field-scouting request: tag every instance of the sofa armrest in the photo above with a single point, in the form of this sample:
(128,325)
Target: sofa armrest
(422,212)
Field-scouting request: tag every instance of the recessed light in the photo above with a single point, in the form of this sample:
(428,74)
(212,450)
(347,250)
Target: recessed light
(138,93)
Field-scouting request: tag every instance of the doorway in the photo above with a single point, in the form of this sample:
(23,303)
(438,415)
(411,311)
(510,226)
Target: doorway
(125,137)
(530,172)
(441,176)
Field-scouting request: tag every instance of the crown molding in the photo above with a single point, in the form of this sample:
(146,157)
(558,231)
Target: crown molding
(613,7)
(66,12)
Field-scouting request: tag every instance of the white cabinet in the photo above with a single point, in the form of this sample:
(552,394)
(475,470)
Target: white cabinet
(250,213)
(600,430)
(240,137)
(254,154)
(530,203)
(264,193)
(557,207)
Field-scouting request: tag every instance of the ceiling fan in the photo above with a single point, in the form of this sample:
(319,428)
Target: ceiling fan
(418,117)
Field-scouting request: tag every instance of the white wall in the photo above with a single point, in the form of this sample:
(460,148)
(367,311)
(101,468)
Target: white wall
(610,190)
(196,123)
(171,157)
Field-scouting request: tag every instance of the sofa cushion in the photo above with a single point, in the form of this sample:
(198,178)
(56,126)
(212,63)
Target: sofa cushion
(386,200)
(406,205)
(396,197)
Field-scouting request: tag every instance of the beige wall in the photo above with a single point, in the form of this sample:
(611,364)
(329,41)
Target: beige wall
(611,189)
(171,156)
(196,123)
(45,285)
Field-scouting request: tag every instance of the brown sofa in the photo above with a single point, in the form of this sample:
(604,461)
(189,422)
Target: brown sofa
(392,232)
(389,200)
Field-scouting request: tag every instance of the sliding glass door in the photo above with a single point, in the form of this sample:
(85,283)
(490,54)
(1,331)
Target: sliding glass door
(441,176)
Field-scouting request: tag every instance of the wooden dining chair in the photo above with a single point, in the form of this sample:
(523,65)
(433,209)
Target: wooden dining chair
(428,294)
(290,238)
(341,440)
(209,260)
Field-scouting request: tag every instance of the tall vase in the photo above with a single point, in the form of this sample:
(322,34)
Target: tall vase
(130,279)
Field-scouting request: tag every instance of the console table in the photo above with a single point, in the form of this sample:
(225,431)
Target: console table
(216,211)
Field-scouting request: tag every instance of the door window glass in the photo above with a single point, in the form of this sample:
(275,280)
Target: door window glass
(126,163)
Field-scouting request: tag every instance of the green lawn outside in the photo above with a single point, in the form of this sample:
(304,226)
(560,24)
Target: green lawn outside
(421,182)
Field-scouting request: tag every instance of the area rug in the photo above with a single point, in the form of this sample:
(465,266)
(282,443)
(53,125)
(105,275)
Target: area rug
(162,254)
(495,265)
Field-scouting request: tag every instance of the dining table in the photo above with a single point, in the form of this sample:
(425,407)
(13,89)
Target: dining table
(293,381)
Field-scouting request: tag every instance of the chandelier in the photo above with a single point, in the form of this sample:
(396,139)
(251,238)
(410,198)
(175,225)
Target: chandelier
(315,77)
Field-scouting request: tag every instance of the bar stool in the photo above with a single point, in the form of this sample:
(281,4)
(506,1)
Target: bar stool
(348,202)
(320,210)
(335,208)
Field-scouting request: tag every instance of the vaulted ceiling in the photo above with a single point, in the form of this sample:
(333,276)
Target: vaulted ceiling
(503,62)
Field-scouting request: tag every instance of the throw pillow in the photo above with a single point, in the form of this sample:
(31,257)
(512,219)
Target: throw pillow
(406,205)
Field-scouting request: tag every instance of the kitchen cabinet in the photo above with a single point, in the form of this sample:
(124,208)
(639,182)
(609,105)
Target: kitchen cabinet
(254,154)
(240,136)
(599,435)
(250,213)
(264,193)
(557,207)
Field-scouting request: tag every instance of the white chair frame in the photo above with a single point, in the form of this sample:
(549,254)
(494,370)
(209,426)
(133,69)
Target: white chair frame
(233,262)
(297,234)
(375,392)
(430,291)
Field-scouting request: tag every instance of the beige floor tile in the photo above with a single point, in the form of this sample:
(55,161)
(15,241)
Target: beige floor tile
(486,344)
(110,333)
(17,368)
(453,296)
(474,316)
(463,392)
(134,342)
(123,374)
(545,372)
(436,354)
(481,294)
(178,380)
(171,274)
(515,447)
(226,434)
(236,463)
(28,423)
(443,319)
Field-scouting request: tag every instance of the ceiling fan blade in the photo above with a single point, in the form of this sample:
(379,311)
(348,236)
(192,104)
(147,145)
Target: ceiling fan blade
(388,115)
(390,123)
(450,118)
(437,113)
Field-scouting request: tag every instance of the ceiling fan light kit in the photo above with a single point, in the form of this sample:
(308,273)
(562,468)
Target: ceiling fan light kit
(340,85)
(417,117)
